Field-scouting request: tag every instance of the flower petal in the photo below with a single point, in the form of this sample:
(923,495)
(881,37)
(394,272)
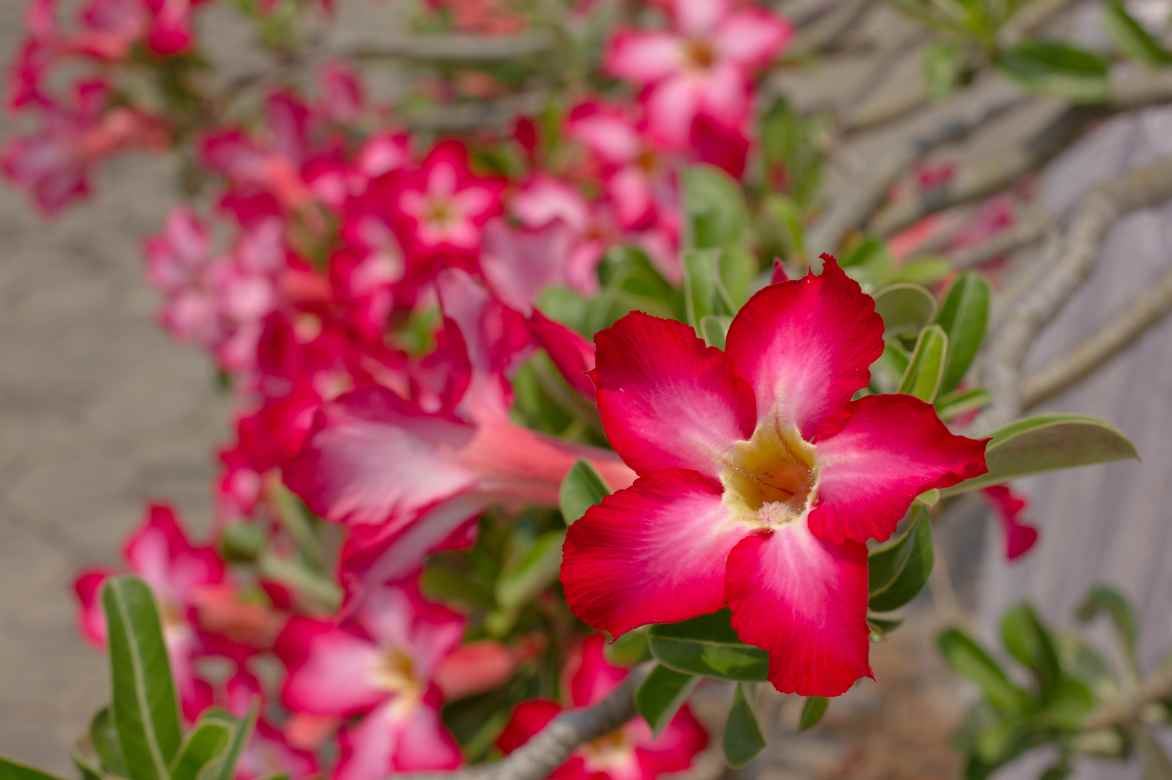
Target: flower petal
(892,448)
(591,676)
(330,671)
(425,745)
(805,347)
(529,718)
(805,602)
(667,400)
(570,352)
(653,553)
(91,619)
(676,746)
(644,57)
(373,456)
(699,18)
(751,37)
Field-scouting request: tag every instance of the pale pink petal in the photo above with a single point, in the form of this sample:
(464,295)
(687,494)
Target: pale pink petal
(725,94)
(644,57)
(667,400)
(676,747)
(805,602)
(653,553)
(520,262)
(373,455)
(806,346)
(630,190)
(699,18)
(893,448)
(671,106)
(605,132)
(591,676)
(367,749)
(425,744)
(329,671)
(751,37)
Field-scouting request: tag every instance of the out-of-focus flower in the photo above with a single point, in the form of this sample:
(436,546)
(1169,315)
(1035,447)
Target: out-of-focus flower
(700,67)
(760,479)
(1020,537)
(630,752)
(378,664)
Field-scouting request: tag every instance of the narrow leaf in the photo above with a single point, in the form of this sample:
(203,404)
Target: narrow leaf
(1132,38)
(206,743)
(899,569)
(714,330)
(743,739)
(144,706)
(708,646)
(960,402)
(964,316)
(1056,68)
(104,739)
(969,660)
(241,732)
(1048,442)
(1109,602)
(10,770)
(630,648)
(536,570)
(661,695)
(1031,645)
(581,489)
(704,293)
(714,208)
(905,309)
(925,372)
(812,712)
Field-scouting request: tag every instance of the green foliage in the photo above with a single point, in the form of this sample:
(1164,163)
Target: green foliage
(791,147)
(1048,442)
(961,402)
(971,661)
(905,309)
(715,214)
(203,746)
(714,330)
(898,570)
(531,571)
(708,646)
(1057,68)
(1132,38)
(630,648)
(1105,601)
(812,711)
(661,695)
(581,489)
(704,293)
(964,316)
(1031,645)
(10,770)
(743,739)
(925,371)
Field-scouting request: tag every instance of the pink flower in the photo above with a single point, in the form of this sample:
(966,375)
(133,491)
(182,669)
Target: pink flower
(179,573)
(760,479)
(630,752)
(700,67)
(404,477)
(1020,537)
(444,206)
(378,664)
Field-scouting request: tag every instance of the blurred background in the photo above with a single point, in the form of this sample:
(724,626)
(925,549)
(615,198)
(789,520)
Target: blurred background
(100,412)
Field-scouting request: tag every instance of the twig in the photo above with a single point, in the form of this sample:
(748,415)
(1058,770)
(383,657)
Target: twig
(1149,308)
(1076,251)
(538,757)
(1128,708)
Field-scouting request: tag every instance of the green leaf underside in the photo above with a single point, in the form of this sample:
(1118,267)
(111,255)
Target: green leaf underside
(812,711)
(144,705)
(743,739)
(899,569)
(925,372)
(905,309)
(964,316)
(662,694)
(708,646)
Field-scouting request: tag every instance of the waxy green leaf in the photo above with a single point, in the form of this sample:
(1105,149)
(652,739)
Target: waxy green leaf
(714,330)
(960,402)
(715,214)
(1103,600)
(964,316)
(241,732)
(925,371)
(1048,442)
(661,695)
(704,293)
(708,646)
(10,770)
(743,739)
(581,489)
(968,659)
(144,705)
(203,746)
(898,570)
(905,309)
(812,711)
(1032,646)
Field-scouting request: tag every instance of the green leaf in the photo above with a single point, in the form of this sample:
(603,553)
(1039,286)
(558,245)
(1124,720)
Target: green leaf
(812,711)
(905,309)
(1057,68)
(964,317)
(535,571)
(887,372)
(1132,38)
(1068,705)
(1048,442)
(708,646)
(743,739)
(661,695)
(925,372)
(205,744)
(791,147)
(898,570)
(783,219)
(714,330)
(144,706)
(882,626)
(630,648)
(738,270)
(969,660)
(715,214)
(581,489)
(960,402)
(1103,600)
(104,739)
(241,730)
(943,65)
(1031,645)
(704,293)
(10,770)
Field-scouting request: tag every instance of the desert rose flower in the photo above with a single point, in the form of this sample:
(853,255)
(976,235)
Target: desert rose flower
(630,752)
(760,480)
(178,573)
(1020,536)
(378,664)
(700,67)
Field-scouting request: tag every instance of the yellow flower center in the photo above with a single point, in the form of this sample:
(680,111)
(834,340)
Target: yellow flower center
(609,751)
(699,54)
(772,478)
(441,212)
(395,672)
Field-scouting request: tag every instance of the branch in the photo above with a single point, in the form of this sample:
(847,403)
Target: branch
(538,757)
(1149,308)
(452,47)
(1126,709)
(1075,252)
(826,30)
